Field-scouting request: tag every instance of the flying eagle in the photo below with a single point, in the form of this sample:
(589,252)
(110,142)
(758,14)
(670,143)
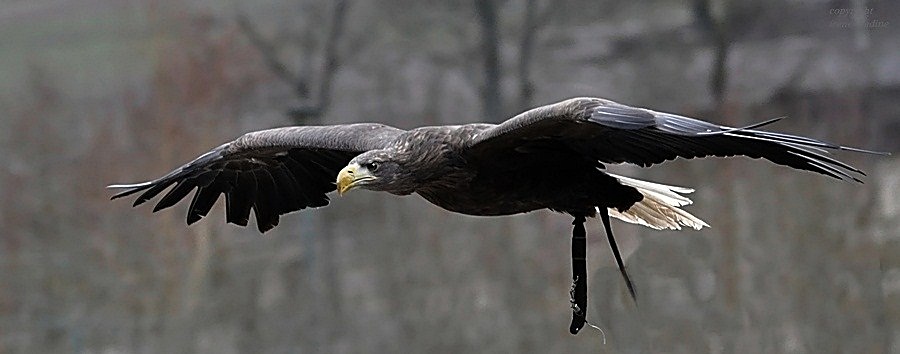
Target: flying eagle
(550,157)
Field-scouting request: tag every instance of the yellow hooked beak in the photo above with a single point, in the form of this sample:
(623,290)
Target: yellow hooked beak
(351,177)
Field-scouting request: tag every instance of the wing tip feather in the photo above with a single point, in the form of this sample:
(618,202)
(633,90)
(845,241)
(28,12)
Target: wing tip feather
(129,189)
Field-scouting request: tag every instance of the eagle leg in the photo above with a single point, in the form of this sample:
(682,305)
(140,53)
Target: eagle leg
(578,292)
(604,215)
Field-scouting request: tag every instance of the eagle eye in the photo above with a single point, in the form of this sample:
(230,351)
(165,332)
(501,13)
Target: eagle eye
(372,166)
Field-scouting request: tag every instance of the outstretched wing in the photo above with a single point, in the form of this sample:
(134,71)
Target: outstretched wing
(615,133)
(272,172)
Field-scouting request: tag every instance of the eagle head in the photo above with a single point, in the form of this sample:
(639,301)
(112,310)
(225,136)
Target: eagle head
(376,170)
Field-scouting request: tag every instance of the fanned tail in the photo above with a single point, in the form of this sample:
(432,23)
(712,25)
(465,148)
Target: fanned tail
(660,207)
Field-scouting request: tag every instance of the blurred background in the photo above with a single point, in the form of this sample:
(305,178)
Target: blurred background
(94,92)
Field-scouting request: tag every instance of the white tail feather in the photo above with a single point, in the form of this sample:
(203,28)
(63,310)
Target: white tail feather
(660,207)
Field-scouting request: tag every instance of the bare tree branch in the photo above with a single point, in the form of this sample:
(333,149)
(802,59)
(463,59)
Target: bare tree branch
(329,67)
(318,104)
(270,55)
(490,47)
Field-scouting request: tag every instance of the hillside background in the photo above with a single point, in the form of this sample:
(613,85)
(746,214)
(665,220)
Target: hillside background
(94,92)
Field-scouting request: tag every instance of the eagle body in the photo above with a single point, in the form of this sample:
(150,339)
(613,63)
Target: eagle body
(531,177)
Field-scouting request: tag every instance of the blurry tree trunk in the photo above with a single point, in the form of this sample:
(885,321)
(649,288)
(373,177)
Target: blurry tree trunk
(490,47)
(534,19)
(318,101)
(526,52)
(718,33)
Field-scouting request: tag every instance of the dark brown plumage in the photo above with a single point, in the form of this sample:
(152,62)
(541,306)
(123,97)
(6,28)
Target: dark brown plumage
(551,157)
(271,172)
